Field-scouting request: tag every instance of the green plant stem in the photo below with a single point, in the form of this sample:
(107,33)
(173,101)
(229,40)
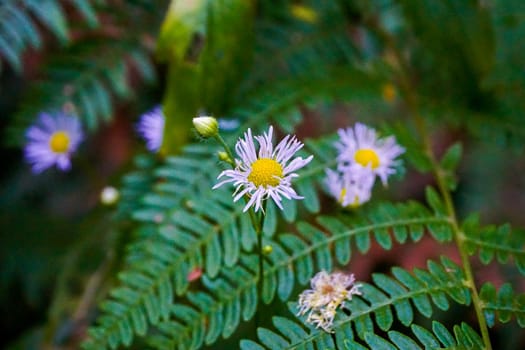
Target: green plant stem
(459,237)
(224,145)
(257,225)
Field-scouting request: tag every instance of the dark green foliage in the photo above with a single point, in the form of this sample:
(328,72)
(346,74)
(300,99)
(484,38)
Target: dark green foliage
(92,72)
(19,28)
(87,85)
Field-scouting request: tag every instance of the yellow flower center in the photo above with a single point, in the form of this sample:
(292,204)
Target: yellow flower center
(355,204)
(367,156)
(327,289)
(342,195)
(59,142)
(266,172)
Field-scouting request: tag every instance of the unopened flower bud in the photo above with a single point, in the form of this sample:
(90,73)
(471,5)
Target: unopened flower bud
(206,126)
(109,195)
(224,156)
(267,249)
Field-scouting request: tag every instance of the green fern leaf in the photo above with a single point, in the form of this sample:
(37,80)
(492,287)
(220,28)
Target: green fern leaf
(380,299)
(18,29)
(85,85)
(504,304)
(462,338)
(494,242)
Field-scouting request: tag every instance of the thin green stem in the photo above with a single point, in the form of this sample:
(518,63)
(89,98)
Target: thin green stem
(224,145)
(459,237)
(257,225)
(260,282)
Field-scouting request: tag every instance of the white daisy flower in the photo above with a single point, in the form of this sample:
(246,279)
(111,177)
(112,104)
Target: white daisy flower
(351,188)
(329,291)
(52,140)
(268,173)
(361,146)
(151,128)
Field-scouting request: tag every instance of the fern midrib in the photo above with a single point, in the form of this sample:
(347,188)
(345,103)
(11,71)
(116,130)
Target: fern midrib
(495,246)
(389,303)
(493,307)
(313,247)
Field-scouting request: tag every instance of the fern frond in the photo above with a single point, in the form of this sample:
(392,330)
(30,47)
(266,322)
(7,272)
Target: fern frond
(490,241)
(379,299)
(171,243)
(384,221)
(294,259)
(464,338)
(135,185)
(503,305)
(214,313)
(19,30)
(178,180)
(84,81)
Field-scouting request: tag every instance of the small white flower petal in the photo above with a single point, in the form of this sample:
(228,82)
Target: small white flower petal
(380,153)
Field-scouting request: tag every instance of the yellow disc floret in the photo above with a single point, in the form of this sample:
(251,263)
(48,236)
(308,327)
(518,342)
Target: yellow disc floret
(59,142)
(353,205)
(266,172)
(342,195)
(367,156)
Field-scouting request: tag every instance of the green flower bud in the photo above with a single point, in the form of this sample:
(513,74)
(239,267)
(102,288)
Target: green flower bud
(206,126)
(267,249)
(224,157)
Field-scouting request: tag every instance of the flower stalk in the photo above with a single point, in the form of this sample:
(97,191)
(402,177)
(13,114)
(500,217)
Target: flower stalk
(410,97)
(257,223)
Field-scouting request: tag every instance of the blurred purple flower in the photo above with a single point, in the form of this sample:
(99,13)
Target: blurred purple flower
(52,140)
(151,128)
